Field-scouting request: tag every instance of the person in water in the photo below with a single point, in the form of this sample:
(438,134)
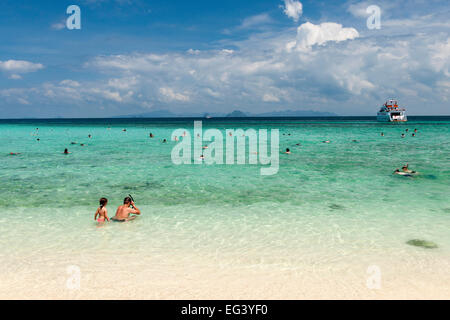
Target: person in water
(382,134)
(151,135)
(123,212)
(66,151)
(165,140)
(288,151)
(101,212)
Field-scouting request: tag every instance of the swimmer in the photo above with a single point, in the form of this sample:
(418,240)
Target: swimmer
(202,157)
(165,140)
(407,130)
(205,147)
(382,134)
(102,212)
(327,141)
(403,135)
(74,142)
(151,135)
(89,136)
(14,153)
(124,130)
(184,134)
(38,139)
(176,138)
(66,151)
(82,144)
(413,135)
(415,130)
(123,212)
(288,151)
(405,169)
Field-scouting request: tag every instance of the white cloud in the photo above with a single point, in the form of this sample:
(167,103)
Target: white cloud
(270,98)
(293,9)
(19,66)
(255,21)
(58,26)
(170,95)
(69,83)
(309,34)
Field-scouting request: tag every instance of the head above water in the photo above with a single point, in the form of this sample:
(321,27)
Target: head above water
(127,200)
(103,202)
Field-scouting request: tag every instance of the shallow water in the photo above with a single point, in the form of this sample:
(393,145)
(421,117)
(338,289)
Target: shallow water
(331,204)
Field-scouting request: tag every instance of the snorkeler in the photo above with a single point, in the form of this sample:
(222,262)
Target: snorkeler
(123,212)
(101,212)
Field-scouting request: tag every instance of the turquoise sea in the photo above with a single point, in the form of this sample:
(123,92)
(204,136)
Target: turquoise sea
(332,210)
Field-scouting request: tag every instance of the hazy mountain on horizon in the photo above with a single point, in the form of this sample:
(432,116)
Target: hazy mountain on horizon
(236,114)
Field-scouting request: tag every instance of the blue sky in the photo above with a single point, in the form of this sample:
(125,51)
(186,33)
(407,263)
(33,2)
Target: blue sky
(212,56)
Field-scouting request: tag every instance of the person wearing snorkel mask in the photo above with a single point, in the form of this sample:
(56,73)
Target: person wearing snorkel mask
(124,211)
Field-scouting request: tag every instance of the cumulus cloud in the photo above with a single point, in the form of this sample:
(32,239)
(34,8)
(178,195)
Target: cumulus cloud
(19,66)
(293,9)
(309,34)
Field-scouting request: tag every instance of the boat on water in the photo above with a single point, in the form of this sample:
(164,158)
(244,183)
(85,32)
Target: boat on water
(391,112)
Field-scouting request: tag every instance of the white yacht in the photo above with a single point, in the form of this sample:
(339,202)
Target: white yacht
(390,112)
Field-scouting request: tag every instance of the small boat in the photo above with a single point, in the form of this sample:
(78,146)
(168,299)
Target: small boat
(390,112)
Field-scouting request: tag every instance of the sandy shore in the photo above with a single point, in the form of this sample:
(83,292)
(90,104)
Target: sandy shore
(172,278)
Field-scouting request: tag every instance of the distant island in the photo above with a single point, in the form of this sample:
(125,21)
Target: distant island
(234,114)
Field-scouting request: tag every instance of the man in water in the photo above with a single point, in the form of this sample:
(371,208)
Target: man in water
(123,212)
